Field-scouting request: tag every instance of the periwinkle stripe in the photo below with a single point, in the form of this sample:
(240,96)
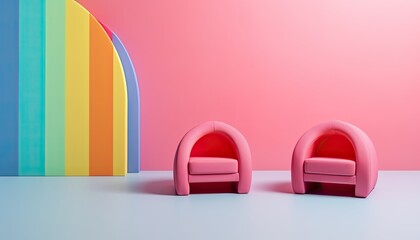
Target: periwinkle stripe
(133,106)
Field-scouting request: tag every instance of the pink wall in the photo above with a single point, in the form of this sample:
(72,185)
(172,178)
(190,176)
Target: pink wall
(273,69)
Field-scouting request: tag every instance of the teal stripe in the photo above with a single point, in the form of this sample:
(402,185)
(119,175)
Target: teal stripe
(55,87)
(31,87)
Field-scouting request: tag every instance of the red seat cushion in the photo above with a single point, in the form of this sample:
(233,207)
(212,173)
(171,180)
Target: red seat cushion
(212,165)
(330,166)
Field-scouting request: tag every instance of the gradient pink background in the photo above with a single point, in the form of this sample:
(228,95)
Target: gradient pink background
(273,69)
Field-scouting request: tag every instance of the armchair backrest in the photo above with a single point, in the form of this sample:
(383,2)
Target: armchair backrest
(215,144)
(333,144)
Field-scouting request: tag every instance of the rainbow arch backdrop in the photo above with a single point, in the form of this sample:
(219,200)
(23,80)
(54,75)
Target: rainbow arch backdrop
(67,100)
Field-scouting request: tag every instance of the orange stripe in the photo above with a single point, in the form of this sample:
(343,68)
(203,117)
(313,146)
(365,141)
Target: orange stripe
(101,101)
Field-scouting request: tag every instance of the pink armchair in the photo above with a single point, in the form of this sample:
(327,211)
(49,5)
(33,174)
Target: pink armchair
(335,152)
(212,152)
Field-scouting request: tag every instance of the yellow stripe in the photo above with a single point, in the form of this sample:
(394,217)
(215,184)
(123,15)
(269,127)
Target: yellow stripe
(77,90)
(120,119)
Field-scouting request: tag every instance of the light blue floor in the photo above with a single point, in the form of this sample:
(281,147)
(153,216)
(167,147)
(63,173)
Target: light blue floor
(143,206)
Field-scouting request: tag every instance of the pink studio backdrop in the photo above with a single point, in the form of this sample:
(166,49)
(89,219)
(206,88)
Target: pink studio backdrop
(273,69)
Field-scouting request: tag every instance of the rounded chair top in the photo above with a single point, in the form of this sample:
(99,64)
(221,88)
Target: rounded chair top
(213,126)
(335,125)
(209,127)
(359,139)
(353,133)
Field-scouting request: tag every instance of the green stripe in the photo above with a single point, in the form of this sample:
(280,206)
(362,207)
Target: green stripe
(31,87)
(55,87)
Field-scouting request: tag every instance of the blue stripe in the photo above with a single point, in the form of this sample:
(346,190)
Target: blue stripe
(9,86)
(32,87)
(133,106)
